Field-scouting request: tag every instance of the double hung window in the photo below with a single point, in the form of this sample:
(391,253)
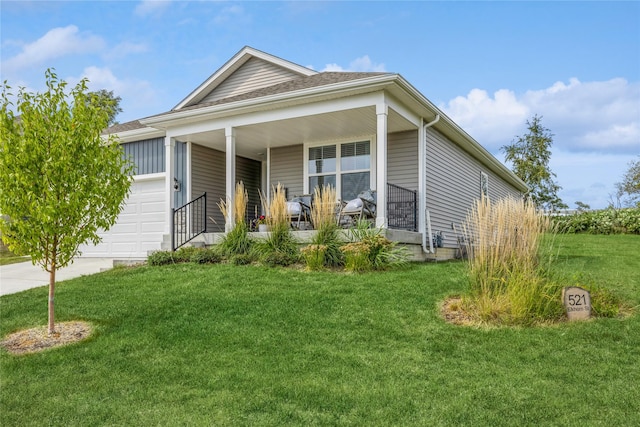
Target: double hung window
(345,166)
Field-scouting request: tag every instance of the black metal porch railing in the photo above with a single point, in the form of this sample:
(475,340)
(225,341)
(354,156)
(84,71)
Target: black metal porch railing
(188,221)
(402,208)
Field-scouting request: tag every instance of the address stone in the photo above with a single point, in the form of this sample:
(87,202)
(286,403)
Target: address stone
(577,302)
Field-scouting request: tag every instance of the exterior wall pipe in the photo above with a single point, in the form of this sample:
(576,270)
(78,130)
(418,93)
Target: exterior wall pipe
(426,232)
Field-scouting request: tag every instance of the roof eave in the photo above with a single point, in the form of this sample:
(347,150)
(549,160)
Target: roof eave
(233,64)
(173,117)
(467,142)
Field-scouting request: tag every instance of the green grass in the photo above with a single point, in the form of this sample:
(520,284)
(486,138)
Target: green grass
(7,257)
(230,345)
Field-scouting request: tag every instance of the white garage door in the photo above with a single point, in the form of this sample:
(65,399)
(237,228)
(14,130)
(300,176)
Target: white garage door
(140,226)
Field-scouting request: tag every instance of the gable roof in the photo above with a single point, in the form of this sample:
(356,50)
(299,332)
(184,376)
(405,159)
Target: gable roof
(274,70)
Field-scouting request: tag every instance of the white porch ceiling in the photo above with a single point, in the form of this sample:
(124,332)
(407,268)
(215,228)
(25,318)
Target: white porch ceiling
(253,140)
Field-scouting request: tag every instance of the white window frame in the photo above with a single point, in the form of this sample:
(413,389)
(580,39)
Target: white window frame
(338,172)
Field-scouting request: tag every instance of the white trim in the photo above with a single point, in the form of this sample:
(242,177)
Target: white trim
(138,134)
(230,175)
(149,176)
(188,165)
(422,177)
(170,166)
(382,116)
(232,65)
(372,85)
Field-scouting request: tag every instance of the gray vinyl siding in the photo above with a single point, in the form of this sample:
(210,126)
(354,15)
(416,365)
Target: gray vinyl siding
(252,75)
(147,155)
(287,169)
(208,174)
(402,159)
(453,185)
(249,172)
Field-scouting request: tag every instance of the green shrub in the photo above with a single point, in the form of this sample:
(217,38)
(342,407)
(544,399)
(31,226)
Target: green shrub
(161,258)
(314,256)
(242,259)
(236,242)
(185,253)
(370,250)
(279,259)
(606,221)
(206,256)
(356,257)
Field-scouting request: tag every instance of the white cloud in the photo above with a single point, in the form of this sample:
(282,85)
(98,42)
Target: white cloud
(593,116)
(55,43)
(230,14)
(126,48)
(134,93)
(363,63)
(151,7)
(596,128)
(491,120)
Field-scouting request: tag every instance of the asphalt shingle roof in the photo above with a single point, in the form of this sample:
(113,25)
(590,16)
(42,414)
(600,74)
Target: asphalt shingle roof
(301,83)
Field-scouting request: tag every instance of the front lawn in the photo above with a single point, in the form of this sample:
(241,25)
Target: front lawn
(7,257)
(246,345)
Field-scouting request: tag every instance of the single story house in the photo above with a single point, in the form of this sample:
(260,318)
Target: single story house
(264,120)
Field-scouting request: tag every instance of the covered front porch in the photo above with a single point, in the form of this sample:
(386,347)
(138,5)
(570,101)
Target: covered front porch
(367,141)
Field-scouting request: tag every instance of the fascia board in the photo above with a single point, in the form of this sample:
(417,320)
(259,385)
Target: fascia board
(236,62)
(138,134)
(272,101)
(464,140)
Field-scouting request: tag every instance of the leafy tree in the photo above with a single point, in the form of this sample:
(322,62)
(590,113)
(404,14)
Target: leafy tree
(582,206)
(529,155)
(109,102)
(630,185)
(60,181)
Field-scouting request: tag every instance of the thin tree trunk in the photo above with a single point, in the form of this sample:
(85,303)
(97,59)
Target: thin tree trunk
(52,288)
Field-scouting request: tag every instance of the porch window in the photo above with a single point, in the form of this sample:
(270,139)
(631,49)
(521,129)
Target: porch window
(345,166)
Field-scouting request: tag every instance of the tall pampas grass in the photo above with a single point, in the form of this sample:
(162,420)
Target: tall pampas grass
(236,241)
(239,207)
(279,247)
(323,217)
(507,276)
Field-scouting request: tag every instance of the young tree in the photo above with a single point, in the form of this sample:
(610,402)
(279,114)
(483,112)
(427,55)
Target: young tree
(109,102)
(529,155)
(630,185)
(60,181)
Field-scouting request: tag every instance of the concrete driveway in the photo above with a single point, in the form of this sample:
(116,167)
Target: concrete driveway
(21,276)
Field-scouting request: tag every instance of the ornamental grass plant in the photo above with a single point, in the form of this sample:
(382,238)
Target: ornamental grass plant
(279,247)
(236,241)
(370,250)
(508,260)
(323,217)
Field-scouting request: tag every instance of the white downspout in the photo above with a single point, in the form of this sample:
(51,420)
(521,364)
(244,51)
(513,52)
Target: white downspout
(427,216)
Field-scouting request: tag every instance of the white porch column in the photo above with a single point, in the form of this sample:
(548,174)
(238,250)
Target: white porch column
(230,135)
(382,111)
(170,171)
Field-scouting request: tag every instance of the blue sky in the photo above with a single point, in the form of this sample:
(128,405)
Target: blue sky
(490,66)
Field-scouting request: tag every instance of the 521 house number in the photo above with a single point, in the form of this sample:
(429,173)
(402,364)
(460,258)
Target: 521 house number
(577,300)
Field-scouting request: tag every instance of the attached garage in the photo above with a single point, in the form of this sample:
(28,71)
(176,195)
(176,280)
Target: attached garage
(140,226)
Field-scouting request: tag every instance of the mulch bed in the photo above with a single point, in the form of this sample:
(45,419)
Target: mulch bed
(37,339)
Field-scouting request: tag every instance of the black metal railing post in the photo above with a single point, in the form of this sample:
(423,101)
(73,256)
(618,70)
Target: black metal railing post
(188,221)
(402,208)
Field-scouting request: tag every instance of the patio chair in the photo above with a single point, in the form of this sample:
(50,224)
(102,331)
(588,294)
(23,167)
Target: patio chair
(299,209)
(362,207)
